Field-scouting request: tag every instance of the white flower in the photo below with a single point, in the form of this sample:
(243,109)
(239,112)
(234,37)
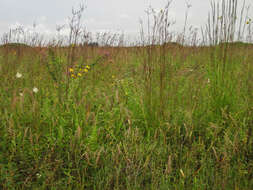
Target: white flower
(21,94)
(38,175)
(18,75)
(35,90)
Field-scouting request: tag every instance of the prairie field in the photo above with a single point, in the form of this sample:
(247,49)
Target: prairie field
(152,116)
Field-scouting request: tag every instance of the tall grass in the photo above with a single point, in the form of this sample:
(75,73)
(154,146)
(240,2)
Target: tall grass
(162,115)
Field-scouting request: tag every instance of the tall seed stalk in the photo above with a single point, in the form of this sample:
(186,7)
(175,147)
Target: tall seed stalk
(74,34)
(156,41)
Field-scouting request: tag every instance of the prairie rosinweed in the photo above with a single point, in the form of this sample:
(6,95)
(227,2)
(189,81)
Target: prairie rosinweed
(87,67)
(85,70)
(79,74)
(71,70)
(73,75)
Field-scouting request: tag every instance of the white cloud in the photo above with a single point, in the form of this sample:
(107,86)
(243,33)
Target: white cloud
(124,16)
(42,19)
(90,21)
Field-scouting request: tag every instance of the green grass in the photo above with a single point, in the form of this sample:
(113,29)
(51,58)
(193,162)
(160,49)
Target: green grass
(14,45)
(107,130)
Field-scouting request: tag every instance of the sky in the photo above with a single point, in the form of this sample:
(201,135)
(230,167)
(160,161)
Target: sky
(99,15)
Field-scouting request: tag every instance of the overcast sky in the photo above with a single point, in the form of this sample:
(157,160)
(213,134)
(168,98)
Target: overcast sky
(100,15)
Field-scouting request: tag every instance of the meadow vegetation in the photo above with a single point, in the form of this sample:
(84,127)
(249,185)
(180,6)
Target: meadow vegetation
(157,115)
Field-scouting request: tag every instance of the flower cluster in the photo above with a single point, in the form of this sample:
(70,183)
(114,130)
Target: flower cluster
(78,72)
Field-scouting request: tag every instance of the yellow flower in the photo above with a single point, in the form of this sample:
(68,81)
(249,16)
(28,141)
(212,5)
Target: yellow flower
(87,67)
(113,76)
(85,70)
(71,70)
(79,74)
(72,75)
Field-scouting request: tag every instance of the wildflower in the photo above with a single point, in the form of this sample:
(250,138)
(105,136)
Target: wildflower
(79,74)
(113,76)
(208,80)
(18,75)
(35,89)
(21,94)
(71,70)
(87,67)
(85,70)
(73,75)
(38,175)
